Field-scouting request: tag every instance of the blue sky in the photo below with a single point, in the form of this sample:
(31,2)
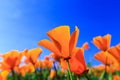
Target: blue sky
(23,23)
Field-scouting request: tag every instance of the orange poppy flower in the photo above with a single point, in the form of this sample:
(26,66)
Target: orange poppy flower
(25,69)
(38,64)
(115,51)
(97,70)
(103,43)
(116,77)
(31,68)
(109,69)
(32,55)
(22,70)
(85,46)
(62,43)
(3,75)
(106,58)
(47,63)
(11,60)
(52,74)
(77,62)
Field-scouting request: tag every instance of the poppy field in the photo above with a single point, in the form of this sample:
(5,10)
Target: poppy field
(66,60)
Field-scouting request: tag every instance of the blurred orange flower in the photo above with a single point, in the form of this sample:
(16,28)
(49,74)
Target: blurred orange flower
(26,69)
(115,51)
(116,77)
(11,60)
(106,58)
(38,64)
(32,55)
(22,70)
(47,63)
(101,68)
(103,43)
(4,75)
(52,74)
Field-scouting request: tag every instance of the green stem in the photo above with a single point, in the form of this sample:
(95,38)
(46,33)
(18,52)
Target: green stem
(69,71)
(87,77)
(14,76)
(77,78)
(36,75)
(18,76)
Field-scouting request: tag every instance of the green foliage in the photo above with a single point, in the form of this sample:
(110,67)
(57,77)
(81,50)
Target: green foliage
(44,75)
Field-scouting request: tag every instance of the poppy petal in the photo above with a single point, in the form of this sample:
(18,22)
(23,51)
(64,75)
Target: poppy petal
(62,36)
(73,40)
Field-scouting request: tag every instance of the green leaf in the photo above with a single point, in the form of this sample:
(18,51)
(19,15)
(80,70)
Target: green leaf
(102,75)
